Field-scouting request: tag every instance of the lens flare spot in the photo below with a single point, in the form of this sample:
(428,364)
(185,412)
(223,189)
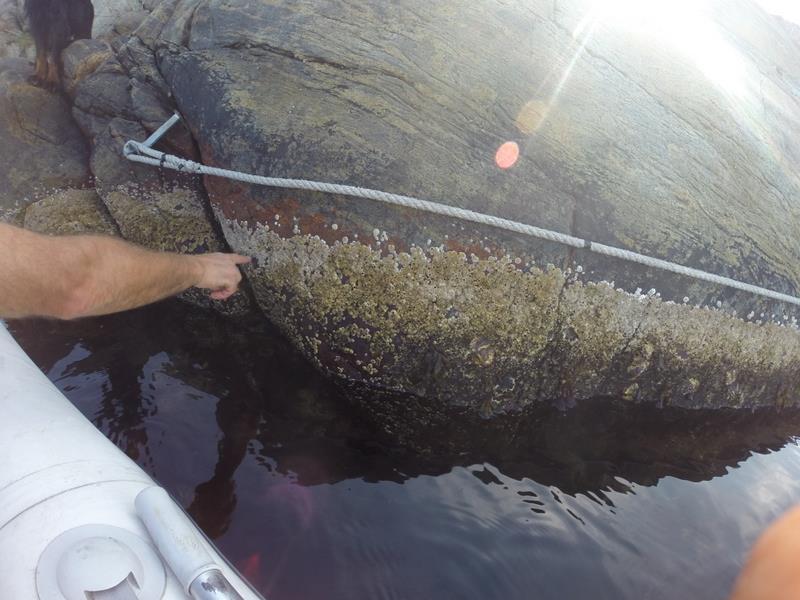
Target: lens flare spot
(507,155)
(531,116)
(251,567)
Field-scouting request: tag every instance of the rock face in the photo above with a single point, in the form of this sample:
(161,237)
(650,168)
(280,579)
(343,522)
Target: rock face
(14,42)
(42,149)
(82,59)
(114,17)
(670,134)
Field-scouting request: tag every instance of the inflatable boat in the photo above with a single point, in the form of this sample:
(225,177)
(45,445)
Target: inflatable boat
(79,520)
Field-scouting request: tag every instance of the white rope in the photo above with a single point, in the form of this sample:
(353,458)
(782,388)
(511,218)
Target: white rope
(143,153)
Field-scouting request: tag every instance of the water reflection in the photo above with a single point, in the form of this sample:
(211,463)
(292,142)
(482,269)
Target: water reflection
(170,363)
(604,445)
(214,500)
(138,374)
(123,407)
(273,464)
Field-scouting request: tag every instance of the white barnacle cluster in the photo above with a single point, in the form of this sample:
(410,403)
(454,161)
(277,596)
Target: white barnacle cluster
(379,236)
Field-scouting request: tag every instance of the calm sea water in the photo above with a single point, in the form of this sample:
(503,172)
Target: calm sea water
(312,503)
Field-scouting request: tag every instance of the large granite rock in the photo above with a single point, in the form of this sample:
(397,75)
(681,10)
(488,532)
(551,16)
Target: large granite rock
(670,134)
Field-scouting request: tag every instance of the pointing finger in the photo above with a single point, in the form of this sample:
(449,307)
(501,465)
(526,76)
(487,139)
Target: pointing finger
(240,260)
(222,294)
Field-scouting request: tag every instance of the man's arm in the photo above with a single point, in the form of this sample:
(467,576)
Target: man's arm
(79,276)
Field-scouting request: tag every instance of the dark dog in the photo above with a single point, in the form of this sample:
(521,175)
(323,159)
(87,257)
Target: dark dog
(54,25)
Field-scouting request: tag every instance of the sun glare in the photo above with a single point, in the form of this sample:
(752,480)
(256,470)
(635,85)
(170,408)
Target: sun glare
(685,27)
(685,33)
(788,9)
(682,28)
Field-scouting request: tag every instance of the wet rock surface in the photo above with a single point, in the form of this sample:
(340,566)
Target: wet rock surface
(628,138)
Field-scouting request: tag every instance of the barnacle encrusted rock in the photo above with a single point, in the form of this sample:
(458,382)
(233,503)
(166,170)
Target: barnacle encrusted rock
(494,337)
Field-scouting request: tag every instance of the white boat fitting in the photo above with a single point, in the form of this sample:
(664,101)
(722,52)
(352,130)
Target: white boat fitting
(79,520)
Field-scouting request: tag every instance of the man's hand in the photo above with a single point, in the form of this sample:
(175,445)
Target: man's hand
(84,275)
(218,272)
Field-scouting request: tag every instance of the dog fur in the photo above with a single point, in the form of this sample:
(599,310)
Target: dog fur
(55,24)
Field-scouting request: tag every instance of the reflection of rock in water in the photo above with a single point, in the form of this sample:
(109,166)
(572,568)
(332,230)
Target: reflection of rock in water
(123,407)
(598,445)
(246,367)
(274,406)
(238,415)
(268,393)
